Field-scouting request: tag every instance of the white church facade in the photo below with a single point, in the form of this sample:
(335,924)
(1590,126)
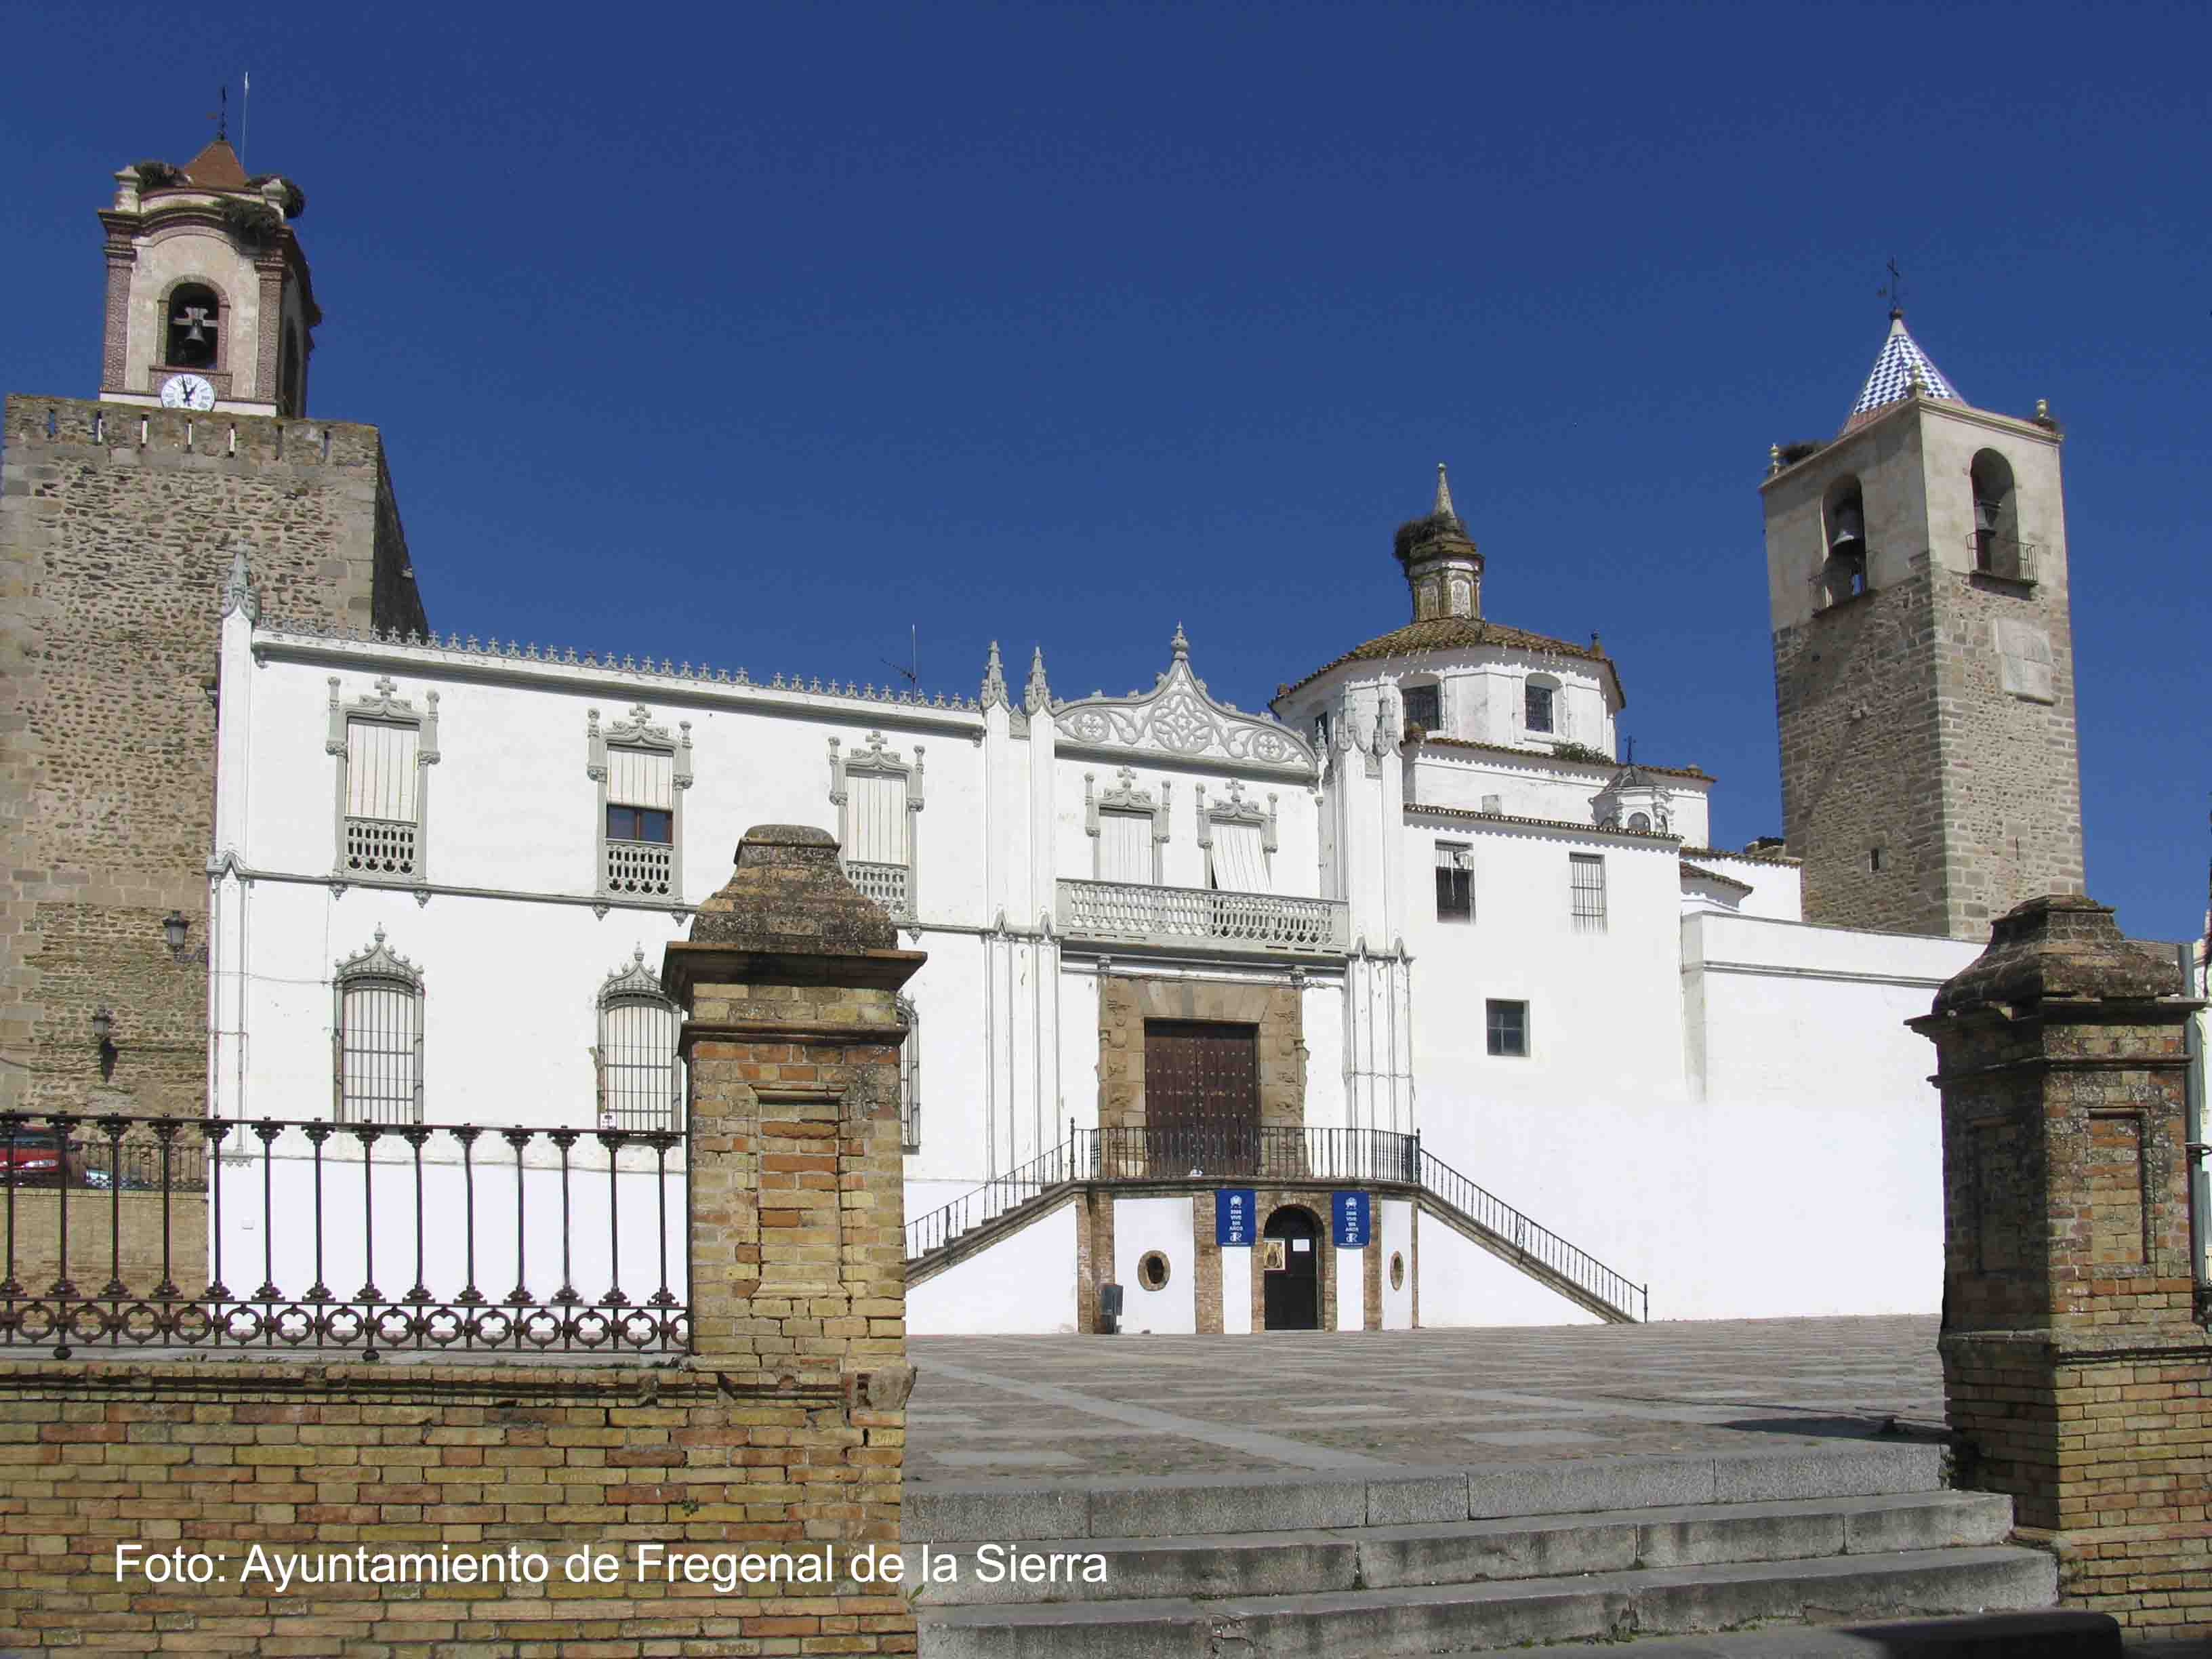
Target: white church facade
(1420,907)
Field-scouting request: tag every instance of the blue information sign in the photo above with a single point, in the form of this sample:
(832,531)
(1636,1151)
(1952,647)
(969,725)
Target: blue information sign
(1352,1220)
(1232,1216)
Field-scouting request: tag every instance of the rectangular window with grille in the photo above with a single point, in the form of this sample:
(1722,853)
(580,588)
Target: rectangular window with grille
(1586,873)
(1506,1028)
(1454,881)
(1539,708)
(639,854)
(379,1042)
(382,824)
(1424,707)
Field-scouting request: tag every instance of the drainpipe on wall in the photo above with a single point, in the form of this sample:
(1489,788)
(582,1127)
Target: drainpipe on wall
(2200,1179)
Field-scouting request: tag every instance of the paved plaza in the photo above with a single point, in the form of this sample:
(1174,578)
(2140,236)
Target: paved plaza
(1041,1410)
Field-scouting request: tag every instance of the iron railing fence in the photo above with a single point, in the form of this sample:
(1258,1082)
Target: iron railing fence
(1228,1149)
(1538,1243)
(132,1155)
(477,1223)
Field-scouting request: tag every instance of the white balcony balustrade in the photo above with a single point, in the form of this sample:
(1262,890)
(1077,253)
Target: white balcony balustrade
(1202,918)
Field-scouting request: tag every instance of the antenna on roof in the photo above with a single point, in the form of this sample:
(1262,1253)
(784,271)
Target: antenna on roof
(1895,292)
(223,115)
(911,673)
(245,97)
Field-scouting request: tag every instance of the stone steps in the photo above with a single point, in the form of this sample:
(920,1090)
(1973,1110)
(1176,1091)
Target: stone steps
(1473,1617)
(1314,1561)
(1789,1543)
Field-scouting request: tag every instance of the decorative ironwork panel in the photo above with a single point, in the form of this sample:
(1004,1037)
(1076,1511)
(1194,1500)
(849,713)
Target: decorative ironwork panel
(886,884)
(379,848)
(645,869)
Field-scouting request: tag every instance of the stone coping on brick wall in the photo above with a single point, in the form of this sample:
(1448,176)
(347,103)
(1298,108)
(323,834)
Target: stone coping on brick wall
(409,1375)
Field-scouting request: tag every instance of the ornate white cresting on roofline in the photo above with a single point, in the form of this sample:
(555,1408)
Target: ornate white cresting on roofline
(1177,718)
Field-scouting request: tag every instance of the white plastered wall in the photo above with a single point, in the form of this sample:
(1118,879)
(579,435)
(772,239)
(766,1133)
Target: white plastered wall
(1024,1283)
(1162,1224)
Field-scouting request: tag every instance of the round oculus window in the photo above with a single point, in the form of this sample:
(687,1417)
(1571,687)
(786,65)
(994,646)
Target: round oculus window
(1152,1270)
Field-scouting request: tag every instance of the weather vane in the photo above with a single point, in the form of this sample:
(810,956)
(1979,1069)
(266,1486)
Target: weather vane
(1895,292)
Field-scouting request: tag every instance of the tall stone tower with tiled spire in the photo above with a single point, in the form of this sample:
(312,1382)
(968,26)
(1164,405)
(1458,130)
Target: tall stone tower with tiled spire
(1923,663)
(122,517)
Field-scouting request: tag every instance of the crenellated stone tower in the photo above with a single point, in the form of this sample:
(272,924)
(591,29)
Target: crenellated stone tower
(121,519)
(1923,663)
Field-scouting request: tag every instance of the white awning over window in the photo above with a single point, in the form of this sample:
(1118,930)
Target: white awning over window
(1240,859)
(380,770)
(641,777)
(1125,848)
(877,803)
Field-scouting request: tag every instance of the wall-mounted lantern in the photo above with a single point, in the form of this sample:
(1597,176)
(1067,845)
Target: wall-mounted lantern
(176,928)
(103,1030)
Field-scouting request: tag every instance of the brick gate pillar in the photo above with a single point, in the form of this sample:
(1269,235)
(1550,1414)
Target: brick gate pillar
(789,986)
(2073,1368)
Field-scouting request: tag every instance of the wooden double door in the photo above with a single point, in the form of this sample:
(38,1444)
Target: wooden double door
(1201,1096)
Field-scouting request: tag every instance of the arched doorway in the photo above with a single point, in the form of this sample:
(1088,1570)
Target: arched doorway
(1290,1295)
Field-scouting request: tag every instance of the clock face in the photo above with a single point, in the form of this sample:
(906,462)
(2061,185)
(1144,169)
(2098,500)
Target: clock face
(187,391)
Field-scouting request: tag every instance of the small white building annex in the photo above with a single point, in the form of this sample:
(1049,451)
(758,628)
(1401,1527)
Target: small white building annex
(1406,1002)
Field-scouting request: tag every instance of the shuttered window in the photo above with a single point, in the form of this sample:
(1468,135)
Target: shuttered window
(379,1051)
(1240,859)
(380,770)
(879,819)
(641,777)
(1125,848)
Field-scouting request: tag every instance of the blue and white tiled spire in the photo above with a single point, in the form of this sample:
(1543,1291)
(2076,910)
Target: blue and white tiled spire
(1902,363)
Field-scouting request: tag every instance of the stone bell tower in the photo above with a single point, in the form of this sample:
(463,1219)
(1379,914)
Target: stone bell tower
(129,523)
(209,306)
(1924,662)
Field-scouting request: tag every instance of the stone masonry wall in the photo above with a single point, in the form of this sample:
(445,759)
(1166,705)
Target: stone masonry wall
(320,1461)
(117,529)
(1856,692)
(2011,780)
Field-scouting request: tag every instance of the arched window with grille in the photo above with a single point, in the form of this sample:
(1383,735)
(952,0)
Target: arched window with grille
(641,1080)
(376,1037)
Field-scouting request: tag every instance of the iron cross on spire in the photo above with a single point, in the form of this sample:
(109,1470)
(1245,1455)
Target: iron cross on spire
(1895,292)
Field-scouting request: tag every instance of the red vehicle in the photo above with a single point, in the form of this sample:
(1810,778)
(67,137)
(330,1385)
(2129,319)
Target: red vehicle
(31,1158)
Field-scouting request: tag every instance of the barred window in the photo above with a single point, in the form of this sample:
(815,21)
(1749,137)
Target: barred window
(377,1037)
(1539,711)
(1454,881)
(910,1080)
(1424,707)
(640,1083)
(1587,875)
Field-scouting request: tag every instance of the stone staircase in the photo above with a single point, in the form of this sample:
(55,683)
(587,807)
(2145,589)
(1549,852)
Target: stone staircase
(1803,1546)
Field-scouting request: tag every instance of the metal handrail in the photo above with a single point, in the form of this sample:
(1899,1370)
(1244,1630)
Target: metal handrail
(1535,1241)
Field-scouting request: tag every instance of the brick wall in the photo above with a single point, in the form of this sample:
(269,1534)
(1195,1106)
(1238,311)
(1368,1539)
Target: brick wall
(2074,1369)
(117,531)
(320,1460)
(111,1235)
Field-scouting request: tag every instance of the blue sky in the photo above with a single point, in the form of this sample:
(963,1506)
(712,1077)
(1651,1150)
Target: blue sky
(759,335)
